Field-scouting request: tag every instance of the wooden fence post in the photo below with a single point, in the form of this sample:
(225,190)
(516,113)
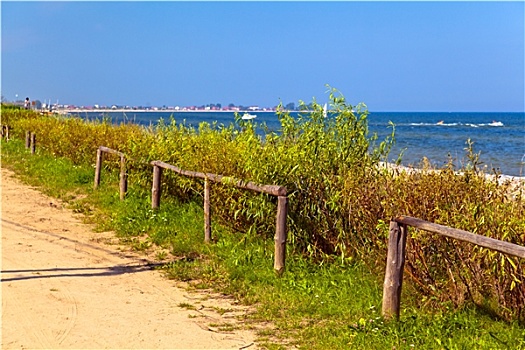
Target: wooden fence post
(123,178)
(155,189)
(280,235)
(33,143)
(28,139)
(98,168)
(395,263)
(7,132)
(207,211)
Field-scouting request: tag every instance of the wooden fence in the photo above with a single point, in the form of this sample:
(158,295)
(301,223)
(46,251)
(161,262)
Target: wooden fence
(30,138)
(123,172)
(396,255)
(31,141)
(397,232)
(158,166)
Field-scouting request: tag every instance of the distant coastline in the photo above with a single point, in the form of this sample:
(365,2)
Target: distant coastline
(125,110)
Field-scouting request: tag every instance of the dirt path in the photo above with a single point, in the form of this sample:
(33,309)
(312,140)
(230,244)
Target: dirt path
(63,290)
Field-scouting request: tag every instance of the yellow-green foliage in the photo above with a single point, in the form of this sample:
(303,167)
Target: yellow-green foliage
(340,198)
(73,138)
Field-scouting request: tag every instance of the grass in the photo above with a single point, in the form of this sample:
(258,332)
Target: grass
(323,305)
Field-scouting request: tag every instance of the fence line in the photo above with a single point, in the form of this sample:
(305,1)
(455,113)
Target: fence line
(397,231)
(156,190)
(396,254)
(123,185)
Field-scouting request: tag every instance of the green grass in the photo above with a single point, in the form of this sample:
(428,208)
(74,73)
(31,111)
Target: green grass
(323,305)
(56,177)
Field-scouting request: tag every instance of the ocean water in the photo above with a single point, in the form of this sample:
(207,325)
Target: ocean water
(498,137)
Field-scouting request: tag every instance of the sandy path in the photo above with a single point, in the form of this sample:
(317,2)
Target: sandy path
(63,290)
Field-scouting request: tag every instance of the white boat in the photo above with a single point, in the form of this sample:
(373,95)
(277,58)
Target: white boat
(248,116)
(325,110)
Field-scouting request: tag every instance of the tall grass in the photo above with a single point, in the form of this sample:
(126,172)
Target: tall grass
(340,197)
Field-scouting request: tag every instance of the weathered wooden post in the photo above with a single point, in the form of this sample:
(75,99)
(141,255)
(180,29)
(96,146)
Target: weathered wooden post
(33,143)
(155,189)
(28,139)
(280,235)
(395,263)
(7,132)
(123,178)
(207,211)
(98,168)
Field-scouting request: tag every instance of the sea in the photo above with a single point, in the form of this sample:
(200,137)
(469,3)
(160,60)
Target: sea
(499,138)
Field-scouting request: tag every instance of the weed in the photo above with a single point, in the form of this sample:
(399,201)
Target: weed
(161,255)
(187,306)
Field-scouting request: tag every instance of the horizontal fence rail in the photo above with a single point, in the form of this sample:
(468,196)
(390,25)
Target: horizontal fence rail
(465,236)
(396,254)
(269,189)
(279,191)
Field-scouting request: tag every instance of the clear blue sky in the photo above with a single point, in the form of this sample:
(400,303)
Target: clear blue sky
(393,56)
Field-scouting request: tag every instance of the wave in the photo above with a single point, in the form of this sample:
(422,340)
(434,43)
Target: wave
(472,125)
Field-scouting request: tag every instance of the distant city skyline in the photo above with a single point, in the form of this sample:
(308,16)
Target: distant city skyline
(392,56)
(37,103)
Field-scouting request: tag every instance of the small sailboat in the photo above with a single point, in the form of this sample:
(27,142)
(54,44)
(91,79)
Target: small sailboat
(325,110)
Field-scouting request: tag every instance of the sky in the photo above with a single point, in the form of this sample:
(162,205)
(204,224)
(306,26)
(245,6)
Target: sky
(392,56)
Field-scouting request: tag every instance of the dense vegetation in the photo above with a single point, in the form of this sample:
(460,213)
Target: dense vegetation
(341,197)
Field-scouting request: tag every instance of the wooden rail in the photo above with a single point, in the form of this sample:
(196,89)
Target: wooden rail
(269,189)
(158,166)
(396,254)
(278,191)
(123,186)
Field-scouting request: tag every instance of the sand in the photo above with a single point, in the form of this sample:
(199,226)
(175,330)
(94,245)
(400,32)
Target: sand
(64,288)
